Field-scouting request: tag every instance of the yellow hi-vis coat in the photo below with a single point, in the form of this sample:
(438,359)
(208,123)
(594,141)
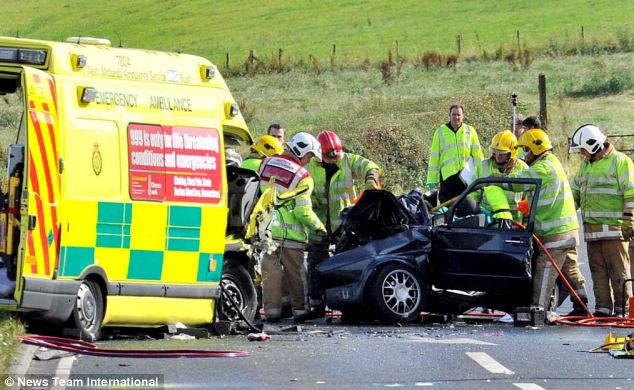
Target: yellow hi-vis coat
(451,150)
(295,218)
(487,168)
(604,190)
(556,218)
(329,199)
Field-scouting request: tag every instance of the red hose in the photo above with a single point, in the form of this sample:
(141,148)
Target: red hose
(86,348)
(616,322)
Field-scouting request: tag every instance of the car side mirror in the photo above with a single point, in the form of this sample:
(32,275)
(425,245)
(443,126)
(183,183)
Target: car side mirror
(438,220)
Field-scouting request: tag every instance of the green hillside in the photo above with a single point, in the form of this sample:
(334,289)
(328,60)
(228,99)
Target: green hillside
(360,29)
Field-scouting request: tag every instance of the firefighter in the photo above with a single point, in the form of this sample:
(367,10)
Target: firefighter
(604,190)
(502,163)
(335,178)
(265,146)
(293,222)
(453,144)
(556,222)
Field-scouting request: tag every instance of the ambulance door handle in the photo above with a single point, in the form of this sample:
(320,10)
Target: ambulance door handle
(32,222)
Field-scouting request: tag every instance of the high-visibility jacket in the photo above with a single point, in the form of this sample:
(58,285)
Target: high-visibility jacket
(451,150)
(556,218)
(604,190)
(295,218)
(252,164)
(331,197)
(497,202)
(487,168)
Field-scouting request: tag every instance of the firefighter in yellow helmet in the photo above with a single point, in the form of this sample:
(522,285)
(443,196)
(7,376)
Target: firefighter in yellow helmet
(556,222)
(265,146)
(503,162)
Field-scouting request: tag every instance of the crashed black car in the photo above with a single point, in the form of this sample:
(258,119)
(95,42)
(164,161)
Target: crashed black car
(395,260)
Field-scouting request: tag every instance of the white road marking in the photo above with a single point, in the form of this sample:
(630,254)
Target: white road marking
(489,364)
(63,370)
(528,386)
(458,340)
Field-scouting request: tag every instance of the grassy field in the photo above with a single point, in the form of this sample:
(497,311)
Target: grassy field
(360,29)
(393,123)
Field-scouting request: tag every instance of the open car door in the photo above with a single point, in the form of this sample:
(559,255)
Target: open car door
(469,255)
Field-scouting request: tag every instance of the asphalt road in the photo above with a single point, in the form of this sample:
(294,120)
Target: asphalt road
(323,356)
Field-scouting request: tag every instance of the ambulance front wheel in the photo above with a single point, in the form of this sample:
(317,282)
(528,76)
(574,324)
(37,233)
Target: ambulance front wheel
(88,311)
(238,284)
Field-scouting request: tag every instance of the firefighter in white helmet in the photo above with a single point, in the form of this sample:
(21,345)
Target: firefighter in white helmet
(603,188)
(293,221)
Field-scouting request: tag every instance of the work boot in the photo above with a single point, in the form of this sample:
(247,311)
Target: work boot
(577,312)
(600,314)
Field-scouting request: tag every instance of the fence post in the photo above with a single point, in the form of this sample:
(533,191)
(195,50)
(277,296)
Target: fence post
(583,36)
(251,56)
(518,40)
(279,56)
(397,50)
(227,60)
(459,43)
(334,49)
(543,114)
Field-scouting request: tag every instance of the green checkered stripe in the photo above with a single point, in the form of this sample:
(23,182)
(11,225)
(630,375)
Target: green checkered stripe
(113,231)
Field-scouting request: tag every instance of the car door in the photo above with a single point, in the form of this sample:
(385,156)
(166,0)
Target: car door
(469,255)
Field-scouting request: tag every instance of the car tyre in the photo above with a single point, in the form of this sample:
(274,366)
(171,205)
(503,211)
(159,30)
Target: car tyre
(89,311)
(237,283)
(397,294)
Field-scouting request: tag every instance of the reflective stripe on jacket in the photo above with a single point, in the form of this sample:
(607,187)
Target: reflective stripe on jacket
(602,189)
(451,150)
(556,213)
(295,218)
(329,199)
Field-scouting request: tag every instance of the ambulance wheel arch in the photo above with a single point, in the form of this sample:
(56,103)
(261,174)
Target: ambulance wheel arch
(238,283)
(89,309)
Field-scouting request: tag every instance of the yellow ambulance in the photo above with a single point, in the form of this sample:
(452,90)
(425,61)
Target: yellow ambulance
(116,199)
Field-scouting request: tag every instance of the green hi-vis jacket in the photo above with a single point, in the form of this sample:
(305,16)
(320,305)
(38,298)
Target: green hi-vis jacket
(556,219)
(451,150)
(604,190)
(252,164)
(295,218)
(487,168)
(330,198)
(497,202)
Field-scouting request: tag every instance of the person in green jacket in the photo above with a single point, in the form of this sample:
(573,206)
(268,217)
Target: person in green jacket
(335,179)
(293,222)
(604,190)
(556,222)
(266,146)
(502,163)
(453,144)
